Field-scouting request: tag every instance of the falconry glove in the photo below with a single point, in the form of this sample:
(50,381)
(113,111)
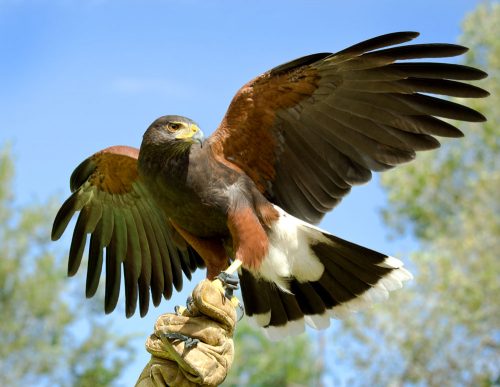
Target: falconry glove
(193,346)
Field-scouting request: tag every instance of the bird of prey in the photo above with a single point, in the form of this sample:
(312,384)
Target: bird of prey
(292,143)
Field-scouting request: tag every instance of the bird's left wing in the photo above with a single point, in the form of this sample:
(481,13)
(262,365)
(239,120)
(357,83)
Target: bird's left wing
(122,218)
(308,130)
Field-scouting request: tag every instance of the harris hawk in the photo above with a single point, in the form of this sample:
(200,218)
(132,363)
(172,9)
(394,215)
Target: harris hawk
(293,142)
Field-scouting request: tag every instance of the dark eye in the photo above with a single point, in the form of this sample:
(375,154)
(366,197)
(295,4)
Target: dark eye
(173,126)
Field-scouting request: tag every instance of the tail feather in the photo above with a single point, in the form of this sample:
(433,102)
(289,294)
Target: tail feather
(309,300)
(278,308)
(255,293)
(339,293)
(291,309)
(310,276)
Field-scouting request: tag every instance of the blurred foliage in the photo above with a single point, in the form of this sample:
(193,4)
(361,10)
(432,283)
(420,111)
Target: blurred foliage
(47,337)
(444,329)
(260,362)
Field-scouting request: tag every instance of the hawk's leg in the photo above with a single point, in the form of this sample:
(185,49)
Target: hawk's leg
(229,283)
(250,242)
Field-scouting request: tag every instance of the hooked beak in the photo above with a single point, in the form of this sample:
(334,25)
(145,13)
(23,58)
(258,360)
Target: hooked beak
(193,132)
(198,136)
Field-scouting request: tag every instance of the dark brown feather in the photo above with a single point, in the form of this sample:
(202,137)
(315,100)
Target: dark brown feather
(309,301)
(86,223)
(290,305)
(99,239)
(278,312)
(132,264)
(254,293)
(115,255)
(379,42)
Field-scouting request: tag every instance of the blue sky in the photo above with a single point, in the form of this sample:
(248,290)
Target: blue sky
(78,76)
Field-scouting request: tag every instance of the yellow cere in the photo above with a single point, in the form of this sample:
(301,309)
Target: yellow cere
(189,132)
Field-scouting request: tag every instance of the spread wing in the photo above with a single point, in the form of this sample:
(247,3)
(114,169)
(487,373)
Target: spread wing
(308,130)
(121,217)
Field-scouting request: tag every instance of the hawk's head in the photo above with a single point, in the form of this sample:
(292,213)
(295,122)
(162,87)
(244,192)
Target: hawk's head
(175,131)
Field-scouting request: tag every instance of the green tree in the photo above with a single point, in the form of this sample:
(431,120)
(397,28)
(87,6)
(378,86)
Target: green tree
(261,362)
(444,329)
(47,337)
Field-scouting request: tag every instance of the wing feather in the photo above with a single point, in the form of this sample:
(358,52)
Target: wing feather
(131,265)
(99,239)
(151,271)
(114,257)
(379,42)
(158,256)
(413,85)
(168,251)
(86,223)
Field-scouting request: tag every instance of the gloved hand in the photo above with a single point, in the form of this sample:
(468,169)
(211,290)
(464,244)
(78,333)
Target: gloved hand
(193,346)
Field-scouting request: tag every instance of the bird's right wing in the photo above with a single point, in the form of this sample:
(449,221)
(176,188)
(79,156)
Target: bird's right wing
(122,218)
